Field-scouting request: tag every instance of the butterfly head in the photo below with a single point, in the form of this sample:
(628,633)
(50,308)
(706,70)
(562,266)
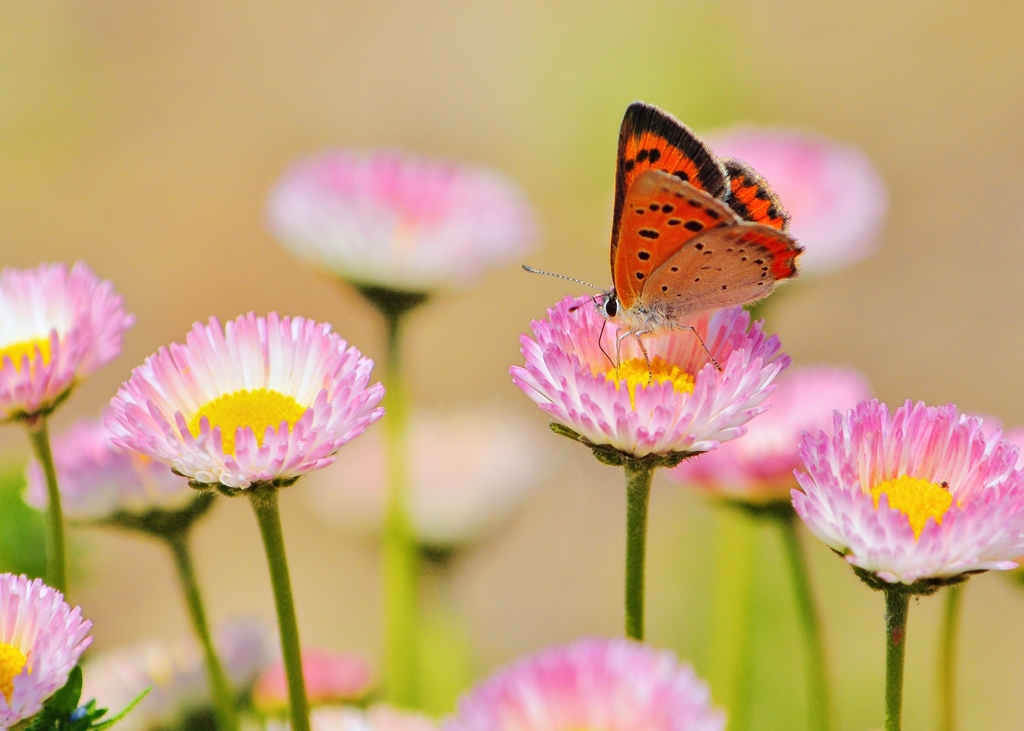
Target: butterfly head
(610,307)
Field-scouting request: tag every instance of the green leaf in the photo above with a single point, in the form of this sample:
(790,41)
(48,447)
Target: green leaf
(65,700)
(127,709)
(61,704)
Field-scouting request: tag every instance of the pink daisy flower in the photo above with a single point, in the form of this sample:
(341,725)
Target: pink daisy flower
(922,494)
(56,327)
(468,472)
(98,479)
(260,400)
(41,639)
(1015,436)
(835,196)
(758,468)
(612,685)
(331,677)
(689,407)
(400,222)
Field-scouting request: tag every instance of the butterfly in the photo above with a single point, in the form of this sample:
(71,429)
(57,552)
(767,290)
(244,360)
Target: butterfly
(690,232)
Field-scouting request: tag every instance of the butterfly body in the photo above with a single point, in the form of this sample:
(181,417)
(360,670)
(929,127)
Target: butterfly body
(690,232)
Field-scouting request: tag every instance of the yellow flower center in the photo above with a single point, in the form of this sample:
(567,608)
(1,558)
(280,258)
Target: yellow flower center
(12,660)
(918,499)
(17,351)
(256,409)
(634,372)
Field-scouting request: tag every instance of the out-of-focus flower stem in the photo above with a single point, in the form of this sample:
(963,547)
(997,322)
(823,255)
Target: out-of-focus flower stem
(264,503)
(401,655)
(56,552)
(896,604)
(638,498)
(818,687)
(446,654)
(220,689)
(731,643)
(947,658)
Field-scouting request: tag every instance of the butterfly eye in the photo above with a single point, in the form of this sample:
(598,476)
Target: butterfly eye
(611,306)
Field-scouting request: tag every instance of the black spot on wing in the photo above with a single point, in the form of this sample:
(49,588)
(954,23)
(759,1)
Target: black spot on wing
(648,233)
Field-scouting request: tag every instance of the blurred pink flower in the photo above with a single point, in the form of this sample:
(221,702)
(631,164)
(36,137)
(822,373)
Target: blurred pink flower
(346,718)
(260,400)
(468,471)
(759,466)
(835,196)
(331,677)
(175,674)
(923,493)
(689,407)
(1015,436)
(56,327)
(98,479)
(401,222)
(41,639)
(611,685)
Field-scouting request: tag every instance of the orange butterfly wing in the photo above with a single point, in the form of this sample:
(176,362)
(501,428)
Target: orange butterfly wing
(752,198)
(660,214)
(731,265)
(650,139)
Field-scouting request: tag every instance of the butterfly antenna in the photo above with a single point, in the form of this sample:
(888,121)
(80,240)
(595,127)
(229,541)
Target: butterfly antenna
(562,276)
(592,299)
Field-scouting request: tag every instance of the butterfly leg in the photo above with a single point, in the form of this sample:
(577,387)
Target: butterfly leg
(600,344)
(618,348)
(643,349)
(701,341)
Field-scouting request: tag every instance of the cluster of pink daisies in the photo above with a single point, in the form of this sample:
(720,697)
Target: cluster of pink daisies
(914,498)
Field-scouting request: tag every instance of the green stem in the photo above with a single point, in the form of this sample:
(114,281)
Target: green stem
(947,658)
(220,689)
(56,551)
(401,664)
(401,559)
(818,691)
(264,502)
(896,603)
(445,651)
(731,663)
(638,498)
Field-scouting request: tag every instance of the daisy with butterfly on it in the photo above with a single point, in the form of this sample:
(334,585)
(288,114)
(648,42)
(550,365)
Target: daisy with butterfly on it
(693,239)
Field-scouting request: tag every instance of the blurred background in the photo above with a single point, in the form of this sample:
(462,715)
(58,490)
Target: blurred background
(143,138)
